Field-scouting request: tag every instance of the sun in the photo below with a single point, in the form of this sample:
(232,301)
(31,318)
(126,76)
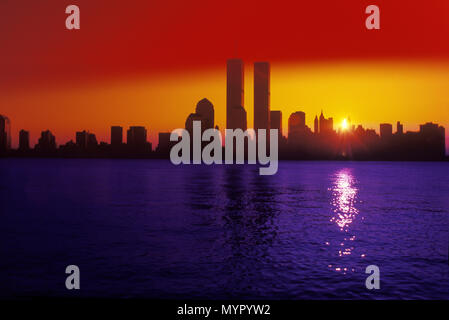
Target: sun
(344,124)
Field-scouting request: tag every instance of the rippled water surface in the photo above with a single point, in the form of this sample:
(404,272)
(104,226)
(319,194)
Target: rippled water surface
(141,228)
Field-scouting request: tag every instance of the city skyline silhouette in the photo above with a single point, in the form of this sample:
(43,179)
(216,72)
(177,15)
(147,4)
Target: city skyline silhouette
(162,111)
(324,141)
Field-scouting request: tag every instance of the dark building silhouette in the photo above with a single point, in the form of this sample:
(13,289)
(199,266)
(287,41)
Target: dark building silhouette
(136,141)
(91,141)
(299,136)
(386,130)
(240,114)
(68,148)
(235,95)
(276,120)
(82,139)
(316,129)
(5,134)
(399,128)
(24,140)
(164,144)
(298,132)
(205,109)
(136,136)
(427,144)
(431,128)
(86,142)
(326,126)
(46,143)
(204,113)
(261,95)
(371,133)
(434,140)
(296,123)
(116,136)
(189,123)
(276,123)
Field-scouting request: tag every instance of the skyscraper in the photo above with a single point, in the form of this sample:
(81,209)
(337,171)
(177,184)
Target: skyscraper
(5,134)
(24,140)
(261,95)
(276,121)
(234,94)
(116,135)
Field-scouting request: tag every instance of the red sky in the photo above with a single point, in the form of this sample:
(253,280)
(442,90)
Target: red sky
(141,36)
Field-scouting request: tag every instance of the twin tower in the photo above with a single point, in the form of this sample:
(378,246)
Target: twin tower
(235,111)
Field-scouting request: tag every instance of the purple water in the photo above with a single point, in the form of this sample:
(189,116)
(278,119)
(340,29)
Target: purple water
(146,228)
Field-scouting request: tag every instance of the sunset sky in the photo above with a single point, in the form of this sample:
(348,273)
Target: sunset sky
(149,62)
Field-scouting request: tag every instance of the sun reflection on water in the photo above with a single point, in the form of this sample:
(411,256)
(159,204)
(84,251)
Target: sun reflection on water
(344,199)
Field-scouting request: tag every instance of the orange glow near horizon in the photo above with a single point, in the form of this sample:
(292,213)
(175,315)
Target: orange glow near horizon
(369,93)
